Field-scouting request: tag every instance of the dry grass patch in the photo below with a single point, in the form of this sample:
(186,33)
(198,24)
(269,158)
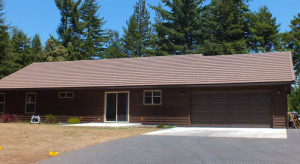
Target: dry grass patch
(28,143)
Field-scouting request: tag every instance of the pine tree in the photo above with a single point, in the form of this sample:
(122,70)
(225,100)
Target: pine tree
(36,44)
(158,39)
(114,45)
(138,33)
(94,35)
(21,49)
(178,26)
(227,27)
(290,41)
(295,32)
(294,97)
(7,66)
(263,31)
(69,30)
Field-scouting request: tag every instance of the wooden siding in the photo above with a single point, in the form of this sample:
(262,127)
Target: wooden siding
(60,118)
(155,120)
(280,108)
(85,102)
(175,108)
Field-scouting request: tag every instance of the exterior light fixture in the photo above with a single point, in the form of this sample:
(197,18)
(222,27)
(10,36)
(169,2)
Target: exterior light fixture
(182,94)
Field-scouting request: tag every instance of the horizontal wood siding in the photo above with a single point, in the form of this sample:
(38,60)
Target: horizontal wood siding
(175,108)
(84,103)
(60,118)
(280,108)
(178,121)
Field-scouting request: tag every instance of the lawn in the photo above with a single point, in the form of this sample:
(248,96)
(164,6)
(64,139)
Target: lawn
(29,143)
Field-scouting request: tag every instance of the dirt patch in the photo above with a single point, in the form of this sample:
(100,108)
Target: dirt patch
(29,143)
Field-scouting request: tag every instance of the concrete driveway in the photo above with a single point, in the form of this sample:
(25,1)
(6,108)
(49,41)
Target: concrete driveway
(161,149)
(223,132)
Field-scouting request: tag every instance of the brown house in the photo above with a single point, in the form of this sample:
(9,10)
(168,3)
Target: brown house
(248,90)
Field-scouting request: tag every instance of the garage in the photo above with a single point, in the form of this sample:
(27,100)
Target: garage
(229,109)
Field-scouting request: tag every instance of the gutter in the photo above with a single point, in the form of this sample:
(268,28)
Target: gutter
(156,86)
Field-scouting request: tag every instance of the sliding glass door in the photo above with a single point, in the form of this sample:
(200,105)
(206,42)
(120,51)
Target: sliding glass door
(117,106)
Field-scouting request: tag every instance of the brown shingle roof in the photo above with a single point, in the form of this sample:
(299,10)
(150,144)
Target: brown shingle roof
(151,71)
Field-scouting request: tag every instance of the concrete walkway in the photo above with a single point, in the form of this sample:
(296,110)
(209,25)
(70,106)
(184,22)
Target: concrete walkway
(223,132)
(114,125)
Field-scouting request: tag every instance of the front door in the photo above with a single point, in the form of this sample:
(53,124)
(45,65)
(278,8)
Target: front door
(117,105)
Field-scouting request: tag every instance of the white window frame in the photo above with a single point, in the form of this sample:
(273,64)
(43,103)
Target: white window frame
(2,93)
(152,91)
(66,97)
(27,93)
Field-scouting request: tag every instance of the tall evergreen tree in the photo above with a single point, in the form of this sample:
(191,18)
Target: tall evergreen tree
(138,33)
(294,98)
(6,62)
(158,39)
(69,30)
(295,33)
(94,35)
(290,41)
(227,27)
(21,48)
(114,45)
(264,31)
(178,26)
(36,44)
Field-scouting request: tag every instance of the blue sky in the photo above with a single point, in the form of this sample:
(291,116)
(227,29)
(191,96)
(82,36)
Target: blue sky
(42,16)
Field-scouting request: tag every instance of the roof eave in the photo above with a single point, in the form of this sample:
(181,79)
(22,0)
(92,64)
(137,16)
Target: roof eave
(157,86)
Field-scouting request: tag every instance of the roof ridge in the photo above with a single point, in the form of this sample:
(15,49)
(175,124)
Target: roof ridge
(147,57)
(127,58)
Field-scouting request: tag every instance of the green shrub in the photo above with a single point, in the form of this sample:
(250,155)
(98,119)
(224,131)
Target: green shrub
(160,126)
(169,126)
(164,126)
(50,119)
(73,120)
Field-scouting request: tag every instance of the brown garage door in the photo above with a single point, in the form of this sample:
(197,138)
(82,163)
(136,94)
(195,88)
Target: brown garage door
(231,109)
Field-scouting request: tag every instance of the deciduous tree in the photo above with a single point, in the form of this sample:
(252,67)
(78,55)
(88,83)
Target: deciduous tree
(54,51)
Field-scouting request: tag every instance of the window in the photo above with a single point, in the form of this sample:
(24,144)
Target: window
(30,103)
(152,97)
(66,94)
(2,102)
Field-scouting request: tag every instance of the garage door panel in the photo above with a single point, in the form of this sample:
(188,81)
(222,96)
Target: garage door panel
(238,109)
(231,109)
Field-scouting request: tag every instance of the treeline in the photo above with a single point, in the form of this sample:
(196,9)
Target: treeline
(180,27)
